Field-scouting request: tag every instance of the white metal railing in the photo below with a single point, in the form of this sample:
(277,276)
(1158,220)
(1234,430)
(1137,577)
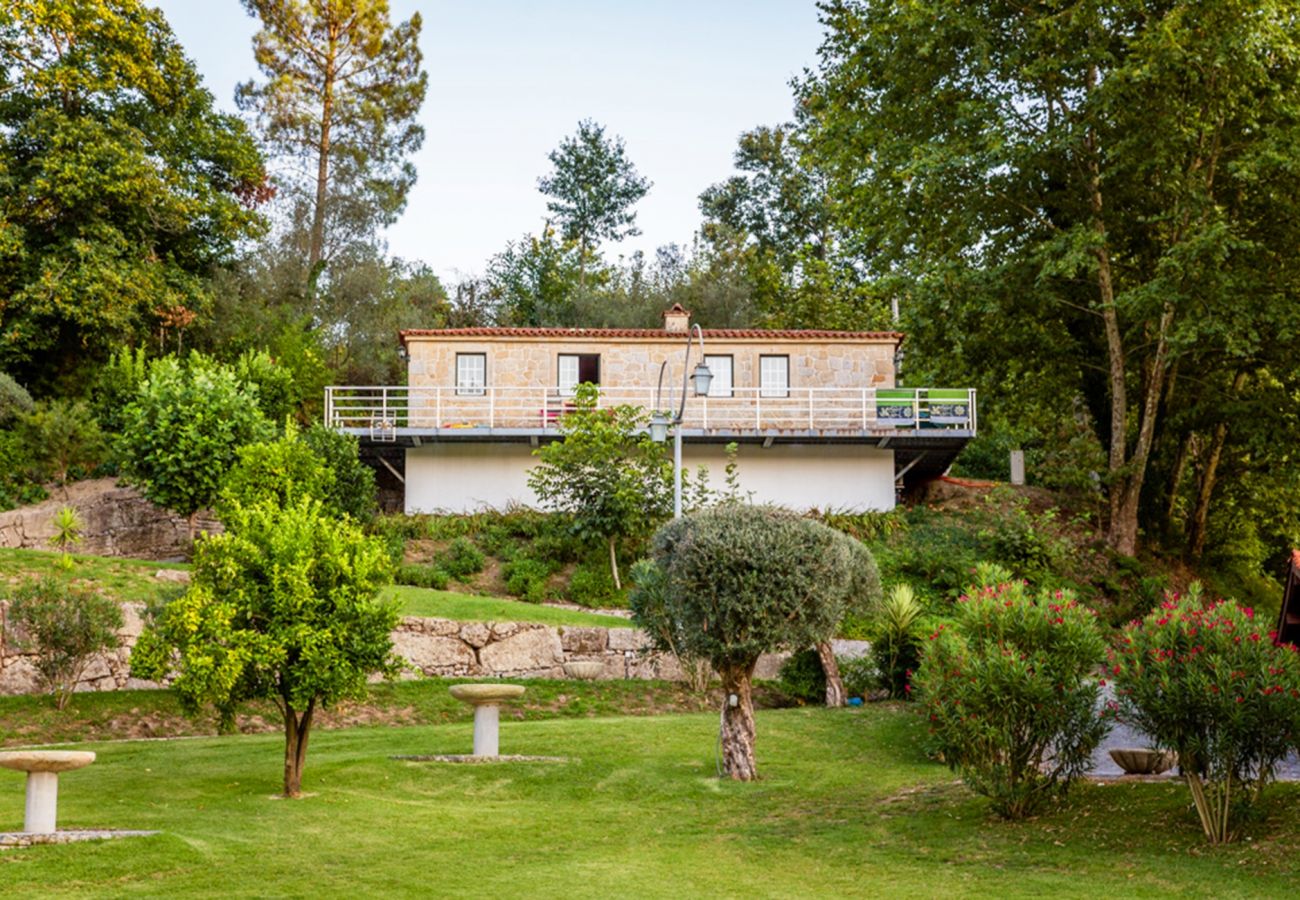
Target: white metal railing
(382,410)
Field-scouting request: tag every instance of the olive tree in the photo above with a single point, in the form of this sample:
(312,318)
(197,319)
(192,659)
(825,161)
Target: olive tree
(284,606)
(740,581)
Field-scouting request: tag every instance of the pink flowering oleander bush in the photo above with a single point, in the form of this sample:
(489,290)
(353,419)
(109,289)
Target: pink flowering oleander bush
(1010,696)
(1208,682)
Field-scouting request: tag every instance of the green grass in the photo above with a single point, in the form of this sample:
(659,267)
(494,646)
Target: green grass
(132,580)
(468,608)
(125,580)
(848,806)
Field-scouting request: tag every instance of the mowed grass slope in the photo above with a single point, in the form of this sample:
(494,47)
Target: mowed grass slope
(848,806)
(132,580)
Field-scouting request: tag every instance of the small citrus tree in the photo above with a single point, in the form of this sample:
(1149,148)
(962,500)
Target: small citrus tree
(740,581)
(1205,681)
(285,606)
(1010,696)
(606,473)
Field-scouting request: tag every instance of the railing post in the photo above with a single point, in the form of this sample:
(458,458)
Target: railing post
(758,409)
(437,407)
(329,407)
(492,407)
(864,408)
(810,409)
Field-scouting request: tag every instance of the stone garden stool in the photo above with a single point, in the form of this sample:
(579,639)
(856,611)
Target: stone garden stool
(43,768)
(485,699)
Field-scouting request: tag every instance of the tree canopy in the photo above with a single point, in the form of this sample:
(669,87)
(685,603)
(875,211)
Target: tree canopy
(342,90)
(1114,185)
(120,185)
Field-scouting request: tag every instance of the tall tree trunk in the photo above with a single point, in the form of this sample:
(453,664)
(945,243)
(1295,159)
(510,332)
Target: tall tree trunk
(738,722)
(1123,535)
(317,251)
(1209,476)
(297,728)
(613,565)
(834,684)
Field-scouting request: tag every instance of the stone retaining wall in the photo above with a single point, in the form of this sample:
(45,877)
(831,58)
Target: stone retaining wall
(432,647)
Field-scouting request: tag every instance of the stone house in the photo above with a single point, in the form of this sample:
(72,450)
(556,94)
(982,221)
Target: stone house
(817,416)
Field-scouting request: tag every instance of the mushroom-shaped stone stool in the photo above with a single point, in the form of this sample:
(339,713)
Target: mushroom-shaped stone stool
(486,698)
(43,768)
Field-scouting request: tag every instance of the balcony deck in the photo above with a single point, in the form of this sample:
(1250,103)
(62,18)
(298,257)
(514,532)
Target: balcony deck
(926,427)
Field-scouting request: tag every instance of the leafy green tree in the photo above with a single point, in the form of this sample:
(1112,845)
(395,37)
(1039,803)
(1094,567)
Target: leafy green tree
(343,87)
(120,185)
(536,280)
(1106,182)
(284,606)
(606,473)
(740,581)
(183,432)
(593,187)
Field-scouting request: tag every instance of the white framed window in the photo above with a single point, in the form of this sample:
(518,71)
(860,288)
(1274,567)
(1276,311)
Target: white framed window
(573,369)
(568,369)
(471,374)
(774,376)
(721,367)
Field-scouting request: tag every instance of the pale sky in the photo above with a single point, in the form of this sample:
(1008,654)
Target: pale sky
(679,80)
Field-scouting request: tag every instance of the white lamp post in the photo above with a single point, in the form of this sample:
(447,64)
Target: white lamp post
(660,419)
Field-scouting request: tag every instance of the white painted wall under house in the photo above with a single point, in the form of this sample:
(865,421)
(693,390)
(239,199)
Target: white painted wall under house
(464,477)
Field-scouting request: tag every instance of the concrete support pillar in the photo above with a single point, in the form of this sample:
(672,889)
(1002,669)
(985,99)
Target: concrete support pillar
(42,802)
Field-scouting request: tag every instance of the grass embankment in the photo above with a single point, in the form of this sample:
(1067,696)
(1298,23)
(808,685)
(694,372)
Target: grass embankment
(848,806)
(132,580)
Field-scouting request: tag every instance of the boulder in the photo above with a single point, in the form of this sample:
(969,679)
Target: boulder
(584,640)
(529,649)
(432,654)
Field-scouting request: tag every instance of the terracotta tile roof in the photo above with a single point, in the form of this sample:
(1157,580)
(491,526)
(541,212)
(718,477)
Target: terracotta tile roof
(602,333)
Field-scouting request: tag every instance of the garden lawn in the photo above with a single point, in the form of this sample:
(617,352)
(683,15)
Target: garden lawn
(848,806)
(125,580)
(469,608)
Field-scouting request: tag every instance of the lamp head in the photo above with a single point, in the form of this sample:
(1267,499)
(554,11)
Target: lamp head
(703,378)
(659,427)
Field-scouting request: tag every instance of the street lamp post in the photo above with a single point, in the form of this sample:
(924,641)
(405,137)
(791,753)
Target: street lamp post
(660,419)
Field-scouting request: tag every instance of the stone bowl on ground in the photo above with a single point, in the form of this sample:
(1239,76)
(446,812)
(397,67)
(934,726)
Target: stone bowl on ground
(1143,760)
(584,670)
(478,694)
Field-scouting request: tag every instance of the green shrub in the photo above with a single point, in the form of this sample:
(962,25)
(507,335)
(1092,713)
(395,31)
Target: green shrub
(462,559)
(416,575)
(64,625)
(1208,682)
(526,578)
(802,678)
(277,394)
(14,400)
(1009,696)
(116,385)
(592,585)
(859,675)
(17,488)
(351,487)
